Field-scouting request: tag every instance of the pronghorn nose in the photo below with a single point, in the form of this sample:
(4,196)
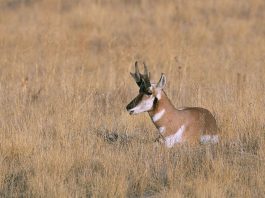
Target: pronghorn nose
(128,108)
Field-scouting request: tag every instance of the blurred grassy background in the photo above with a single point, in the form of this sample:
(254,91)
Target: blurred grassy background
(64,84)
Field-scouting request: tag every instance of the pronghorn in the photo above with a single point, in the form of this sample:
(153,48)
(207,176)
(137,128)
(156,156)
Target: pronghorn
(188,124)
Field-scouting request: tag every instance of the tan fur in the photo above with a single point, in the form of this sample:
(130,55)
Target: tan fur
(197,121)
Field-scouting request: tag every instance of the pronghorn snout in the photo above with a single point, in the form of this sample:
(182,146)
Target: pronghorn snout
(130,107)
(141,103)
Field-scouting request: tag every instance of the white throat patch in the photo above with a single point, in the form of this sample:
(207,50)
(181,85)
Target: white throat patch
(159,95)
(158,115)
(175,138)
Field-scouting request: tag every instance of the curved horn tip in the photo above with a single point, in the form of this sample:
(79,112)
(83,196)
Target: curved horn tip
(136,67)
(145,66)
(145,69)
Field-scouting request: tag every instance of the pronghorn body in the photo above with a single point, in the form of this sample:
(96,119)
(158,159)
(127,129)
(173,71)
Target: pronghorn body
(189,124)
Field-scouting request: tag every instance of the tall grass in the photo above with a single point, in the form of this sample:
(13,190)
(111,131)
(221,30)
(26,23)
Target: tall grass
(64,85)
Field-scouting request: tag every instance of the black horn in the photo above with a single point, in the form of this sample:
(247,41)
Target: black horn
(139,78)
(146,73)
(136,75)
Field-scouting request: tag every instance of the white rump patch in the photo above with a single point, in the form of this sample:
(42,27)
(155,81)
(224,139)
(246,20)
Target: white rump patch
(162,129)
(158,115)
(175,138)
(209,139)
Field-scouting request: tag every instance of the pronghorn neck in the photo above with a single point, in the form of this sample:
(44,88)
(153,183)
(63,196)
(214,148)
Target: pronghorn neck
(163,106)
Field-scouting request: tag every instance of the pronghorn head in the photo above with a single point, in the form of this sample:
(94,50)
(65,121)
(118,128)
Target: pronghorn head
(149,94)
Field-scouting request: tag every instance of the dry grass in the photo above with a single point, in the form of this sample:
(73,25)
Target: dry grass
(64,84)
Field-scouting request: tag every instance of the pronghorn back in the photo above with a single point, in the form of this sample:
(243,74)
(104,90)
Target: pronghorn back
(188,124)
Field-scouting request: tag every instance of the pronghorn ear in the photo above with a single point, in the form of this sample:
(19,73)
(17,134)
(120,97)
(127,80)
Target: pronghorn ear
(162,82)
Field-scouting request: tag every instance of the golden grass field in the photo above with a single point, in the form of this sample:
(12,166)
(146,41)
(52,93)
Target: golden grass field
(64,85)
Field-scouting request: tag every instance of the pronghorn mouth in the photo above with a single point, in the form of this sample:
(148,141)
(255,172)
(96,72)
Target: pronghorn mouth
(131,112)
